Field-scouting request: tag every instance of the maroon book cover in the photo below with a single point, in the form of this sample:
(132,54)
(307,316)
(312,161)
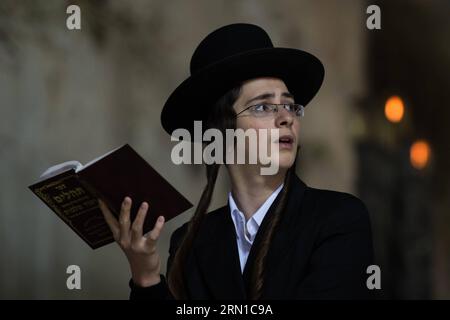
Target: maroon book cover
(73,194)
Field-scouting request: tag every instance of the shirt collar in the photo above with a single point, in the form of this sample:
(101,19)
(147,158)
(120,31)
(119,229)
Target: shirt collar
(259,215)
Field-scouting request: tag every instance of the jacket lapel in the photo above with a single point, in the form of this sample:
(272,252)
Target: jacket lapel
(217,253)
(285,233)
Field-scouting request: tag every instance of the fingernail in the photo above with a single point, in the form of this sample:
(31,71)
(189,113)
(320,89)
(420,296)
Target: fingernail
(160,219)
(144,205)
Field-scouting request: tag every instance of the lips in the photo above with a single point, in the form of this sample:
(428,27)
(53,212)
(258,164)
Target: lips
(286,141)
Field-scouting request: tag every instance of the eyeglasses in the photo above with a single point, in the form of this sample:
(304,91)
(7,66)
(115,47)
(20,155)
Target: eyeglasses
(269,109)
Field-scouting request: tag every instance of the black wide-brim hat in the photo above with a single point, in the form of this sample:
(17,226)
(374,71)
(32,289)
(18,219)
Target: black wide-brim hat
(228,56)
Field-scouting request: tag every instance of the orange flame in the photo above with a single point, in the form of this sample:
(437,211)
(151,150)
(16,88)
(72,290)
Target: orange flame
(419,154)
(394,109)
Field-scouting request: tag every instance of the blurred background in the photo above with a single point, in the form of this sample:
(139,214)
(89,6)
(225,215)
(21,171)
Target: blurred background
(378,128)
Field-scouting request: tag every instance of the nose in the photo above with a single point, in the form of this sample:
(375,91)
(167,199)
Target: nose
(284,118)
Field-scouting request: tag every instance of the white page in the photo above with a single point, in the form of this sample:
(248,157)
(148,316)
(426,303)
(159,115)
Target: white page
(59,168)
(68,165)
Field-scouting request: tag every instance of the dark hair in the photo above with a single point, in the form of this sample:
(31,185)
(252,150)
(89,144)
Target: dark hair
(223,117)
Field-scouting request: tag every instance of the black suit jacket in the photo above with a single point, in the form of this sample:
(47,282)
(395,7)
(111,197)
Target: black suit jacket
(321,250)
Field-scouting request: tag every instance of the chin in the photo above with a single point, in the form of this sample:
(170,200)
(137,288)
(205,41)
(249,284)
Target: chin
(286,161)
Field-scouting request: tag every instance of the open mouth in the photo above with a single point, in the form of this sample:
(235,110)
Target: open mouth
(286,142)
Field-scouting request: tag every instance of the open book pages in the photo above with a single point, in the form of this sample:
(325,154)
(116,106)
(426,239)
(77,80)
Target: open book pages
(72,190)
(69,165)
(59,168)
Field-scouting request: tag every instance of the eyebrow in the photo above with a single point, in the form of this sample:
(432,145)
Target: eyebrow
(269,95)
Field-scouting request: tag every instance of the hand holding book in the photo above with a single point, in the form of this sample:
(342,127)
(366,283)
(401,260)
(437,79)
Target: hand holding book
(72,192)
(140,249)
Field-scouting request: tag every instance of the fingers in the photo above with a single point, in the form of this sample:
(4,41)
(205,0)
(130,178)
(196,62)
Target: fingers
(121,230)
(110,219)
(136,228)
(156,231)
(124,222)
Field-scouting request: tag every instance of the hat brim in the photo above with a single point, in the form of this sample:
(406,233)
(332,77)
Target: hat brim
(192,100)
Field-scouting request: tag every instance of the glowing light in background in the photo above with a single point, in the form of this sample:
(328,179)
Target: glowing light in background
(394,109)
(419,154)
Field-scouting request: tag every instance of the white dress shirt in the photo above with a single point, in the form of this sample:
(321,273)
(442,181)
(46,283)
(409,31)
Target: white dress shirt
(246,231)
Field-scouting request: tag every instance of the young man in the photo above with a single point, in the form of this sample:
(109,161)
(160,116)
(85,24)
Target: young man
(276,238)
